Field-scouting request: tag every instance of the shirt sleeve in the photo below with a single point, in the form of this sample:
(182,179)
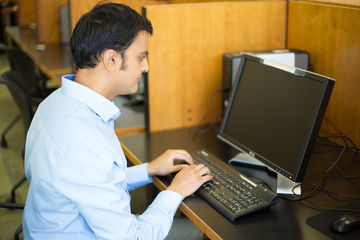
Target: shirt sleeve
(156,221)
(137,176)
(97,185)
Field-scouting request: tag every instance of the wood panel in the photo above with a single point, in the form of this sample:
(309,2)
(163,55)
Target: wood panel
(331,36)
(337,2)
(129,131)
(48,20)
(27,12)
(206,1)
(80,7)
(185,53)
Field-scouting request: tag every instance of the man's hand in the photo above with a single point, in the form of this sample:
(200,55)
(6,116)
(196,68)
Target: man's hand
(189,179)
(164,164)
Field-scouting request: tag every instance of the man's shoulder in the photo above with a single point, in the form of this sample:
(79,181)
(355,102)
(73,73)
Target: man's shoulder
(64,118)
(59,107)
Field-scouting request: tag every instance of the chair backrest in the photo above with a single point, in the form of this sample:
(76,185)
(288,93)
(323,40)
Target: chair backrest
(22,63)
(16,85)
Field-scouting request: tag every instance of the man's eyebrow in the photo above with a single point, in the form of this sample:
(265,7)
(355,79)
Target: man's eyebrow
(144,53)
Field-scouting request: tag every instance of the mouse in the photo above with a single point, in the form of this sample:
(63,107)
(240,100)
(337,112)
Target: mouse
(346,223)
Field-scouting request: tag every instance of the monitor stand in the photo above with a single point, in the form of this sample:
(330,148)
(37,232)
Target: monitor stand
(284,185)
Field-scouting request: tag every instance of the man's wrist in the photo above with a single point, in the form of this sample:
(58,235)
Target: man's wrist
(150,169)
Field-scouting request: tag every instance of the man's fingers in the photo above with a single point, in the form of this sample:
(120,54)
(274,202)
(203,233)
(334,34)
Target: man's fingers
(184,155)
(179,167)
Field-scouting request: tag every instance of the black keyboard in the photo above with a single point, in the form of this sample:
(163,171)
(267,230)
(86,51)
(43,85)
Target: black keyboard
(230,192)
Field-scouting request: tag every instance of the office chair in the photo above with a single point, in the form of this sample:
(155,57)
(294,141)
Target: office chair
(16,86)
(35,83)
(14,206)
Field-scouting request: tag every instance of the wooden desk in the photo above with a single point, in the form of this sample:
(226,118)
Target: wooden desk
(54,60)
(285,220)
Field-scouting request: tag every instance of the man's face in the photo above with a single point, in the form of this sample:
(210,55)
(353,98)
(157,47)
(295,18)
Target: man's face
(135,64)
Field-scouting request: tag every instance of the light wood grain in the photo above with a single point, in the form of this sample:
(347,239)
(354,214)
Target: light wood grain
(48,20)
(185,53)
(121,132)
(27,12)
(80,7)
(331,36)
(337,2)
(207,1)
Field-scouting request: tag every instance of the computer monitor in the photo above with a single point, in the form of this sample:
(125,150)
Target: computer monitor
(274,116)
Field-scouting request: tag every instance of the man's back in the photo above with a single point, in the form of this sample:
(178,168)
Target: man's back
(56,163)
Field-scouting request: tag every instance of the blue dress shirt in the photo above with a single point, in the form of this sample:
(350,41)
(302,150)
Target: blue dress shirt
(79,179)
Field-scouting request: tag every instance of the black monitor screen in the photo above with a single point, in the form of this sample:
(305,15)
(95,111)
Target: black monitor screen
(275,113)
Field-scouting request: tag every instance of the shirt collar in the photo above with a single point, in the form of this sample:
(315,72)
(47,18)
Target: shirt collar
(104,108)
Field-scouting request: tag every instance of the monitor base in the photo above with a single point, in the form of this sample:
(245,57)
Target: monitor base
(284,185)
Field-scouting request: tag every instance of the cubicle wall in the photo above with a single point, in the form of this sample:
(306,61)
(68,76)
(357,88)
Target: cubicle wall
(48,20)
(27,12)
(185,54)
(337,2)
(331,36)
(45,13)
(80,7)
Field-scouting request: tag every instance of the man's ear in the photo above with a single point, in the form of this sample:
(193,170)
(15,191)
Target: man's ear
(111,60)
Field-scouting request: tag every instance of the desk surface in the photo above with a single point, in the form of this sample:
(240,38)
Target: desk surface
(285,220)
(53,60)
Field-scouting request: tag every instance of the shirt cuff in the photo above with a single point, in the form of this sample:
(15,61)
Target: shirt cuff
(138,176)
(168,200)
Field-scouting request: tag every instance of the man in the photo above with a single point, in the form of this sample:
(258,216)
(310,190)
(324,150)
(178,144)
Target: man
(79,180)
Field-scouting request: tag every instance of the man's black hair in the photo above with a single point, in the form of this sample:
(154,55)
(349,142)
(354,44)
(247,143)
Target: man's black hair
(107,26)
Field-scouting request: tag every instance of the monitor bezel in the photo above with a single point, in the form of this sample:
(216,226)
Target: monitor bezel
(301,164)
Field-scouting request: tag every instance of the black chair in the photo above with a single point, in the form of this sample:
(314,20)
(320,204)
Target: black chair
(34,84)
(14,206)
(16,86)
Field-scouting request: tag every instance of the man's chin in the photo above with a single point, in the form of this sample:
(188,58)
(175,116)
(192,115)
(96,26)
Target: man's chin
(134,90)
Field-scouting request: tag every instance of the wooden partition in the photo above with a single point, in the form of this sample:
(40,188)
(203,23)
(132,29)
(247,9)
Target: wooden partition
(80,7)
(48,20)
(185,53)
(337,2)
(331,36)
(27,12)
